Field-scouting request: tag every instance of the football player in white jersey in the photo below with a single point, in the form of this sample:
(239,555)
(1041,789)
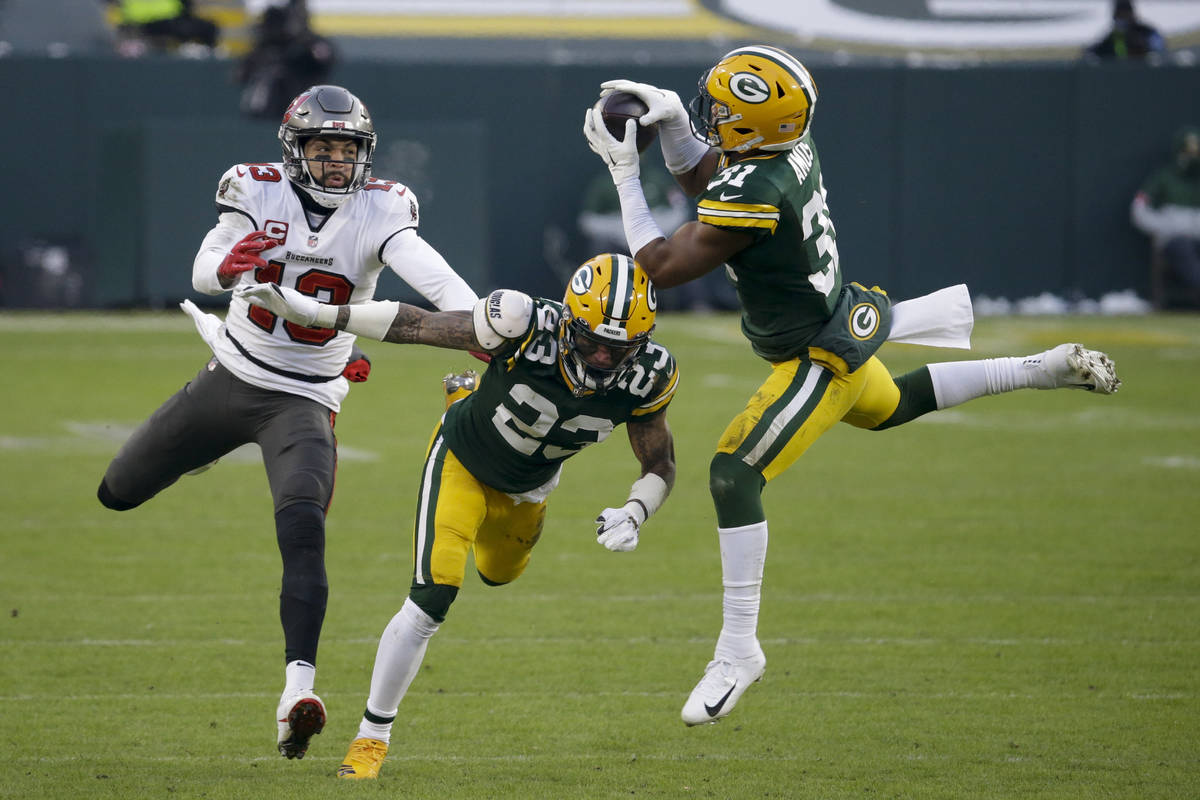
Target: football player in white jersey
(319,223)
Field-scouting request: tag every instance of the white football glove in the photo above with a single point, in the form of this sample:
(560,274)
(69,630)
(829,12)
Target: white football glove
(665,107)
(621,157)
(284,302)
(617,529)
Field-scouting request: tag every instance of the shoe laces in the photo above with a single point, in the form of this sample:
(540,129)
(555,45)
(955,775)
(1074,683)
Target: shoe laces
(719,675)
(368,749)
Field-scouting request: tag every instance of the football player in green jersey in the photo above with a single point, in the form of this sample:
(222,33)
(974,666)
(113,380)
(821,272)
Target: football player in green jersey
(561,376)
(762,213)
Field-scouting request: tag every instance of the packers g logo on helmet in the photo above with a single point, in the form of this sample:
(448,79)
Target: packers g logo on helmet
(749,87)
(608,316)
(581,281)
(755,98)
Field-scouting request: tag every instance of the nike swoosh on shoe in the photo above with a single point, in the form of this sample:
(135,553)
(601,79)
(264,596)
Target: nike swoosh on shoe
(716,709)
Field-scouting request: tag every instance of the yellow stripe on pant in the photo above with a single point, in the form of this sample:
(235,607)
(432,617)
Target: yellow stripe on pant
(799,401)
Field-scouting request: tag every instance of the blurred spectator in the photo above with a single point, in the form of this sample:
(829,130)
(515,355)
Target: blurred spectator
(600,222)
(286,57)
(1130,38)
(163,25)
(1167,208)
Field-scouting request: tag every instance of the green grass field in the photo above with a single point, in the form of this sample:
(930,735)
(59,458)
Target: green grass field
(998,601)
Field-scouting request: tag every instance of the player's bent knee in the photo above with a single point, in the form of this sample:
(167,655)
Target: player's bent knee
(305,486)
(729,479)
(736,491)
(110,500)
(434,599)
(300,532)
(300,525)
(917,397)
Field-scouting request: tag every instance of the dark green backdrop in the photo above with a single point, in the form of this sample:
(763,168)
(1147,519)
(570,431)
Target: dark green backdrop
(1014,179)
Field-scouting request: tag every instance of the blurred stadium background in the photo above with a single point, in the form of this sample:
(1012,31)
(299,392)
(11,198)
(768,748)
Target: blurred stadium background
(962,141)
(996,602)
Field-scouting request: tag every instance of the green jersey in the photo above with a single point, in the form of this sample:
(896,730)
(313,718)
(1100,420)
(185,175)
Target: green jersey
(788,279)
(515,430)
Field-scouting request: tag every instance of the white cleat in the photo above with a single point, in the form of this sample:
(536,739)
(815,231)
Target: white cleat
(723,684)
(1073,366)
(301,716)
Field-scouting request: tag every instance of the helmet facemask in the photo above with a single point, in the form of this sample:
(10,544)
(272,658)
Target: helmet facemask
(328,111)
(594,362)
(608,316)
(709,114)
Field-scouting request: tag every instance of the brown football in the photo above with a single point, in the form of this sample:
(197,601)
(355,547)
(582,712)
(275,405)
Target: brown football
(618,107)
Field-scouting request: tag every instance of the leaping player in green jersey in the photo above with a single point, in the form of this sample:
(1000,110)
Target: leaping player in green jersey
(762,213)
(562,376)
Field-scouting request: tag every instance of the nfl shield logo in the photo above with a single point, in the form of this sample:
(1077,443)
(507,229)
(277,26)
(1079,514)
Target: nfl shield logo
(312,241)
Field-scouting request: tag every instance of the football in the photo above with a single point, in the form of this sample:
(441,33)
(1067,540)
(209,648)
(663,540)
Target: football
(618,107)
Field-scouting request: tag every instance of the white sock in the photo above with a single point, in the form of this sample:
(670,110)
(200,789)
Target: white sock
(401,649)
(743,553)
(956,382)
(299,676)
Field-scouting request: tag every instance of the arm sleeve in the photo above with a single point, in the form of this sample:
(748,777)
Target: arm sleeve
(229,230)
(424,269)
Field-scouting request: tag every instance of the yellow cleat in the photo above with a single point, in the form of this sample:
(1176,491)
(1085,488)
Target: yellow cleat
(459,386)
(364,759)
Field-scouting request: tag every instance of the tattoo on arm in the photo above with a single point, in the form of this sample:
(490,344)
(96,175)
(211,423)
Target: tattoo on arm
(452,329)
(412,325)
(654,446)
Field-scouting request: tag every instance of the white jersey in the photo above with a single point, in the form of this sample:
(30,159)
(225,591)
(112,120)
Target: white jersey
(337,262)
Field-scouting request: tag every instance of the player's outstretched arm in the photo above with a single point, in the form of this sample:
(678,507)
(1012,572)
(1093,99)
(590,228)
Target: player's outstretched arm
(502,315)
(694,249)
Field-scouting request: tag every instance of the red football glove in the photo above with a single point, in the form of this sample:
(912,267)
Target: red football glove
(357,370)
(244,255)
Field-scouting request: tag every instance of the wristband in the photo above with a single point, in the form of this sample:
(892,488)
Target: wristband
(680,148)
(646,496)
(372,319)
(325,317)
